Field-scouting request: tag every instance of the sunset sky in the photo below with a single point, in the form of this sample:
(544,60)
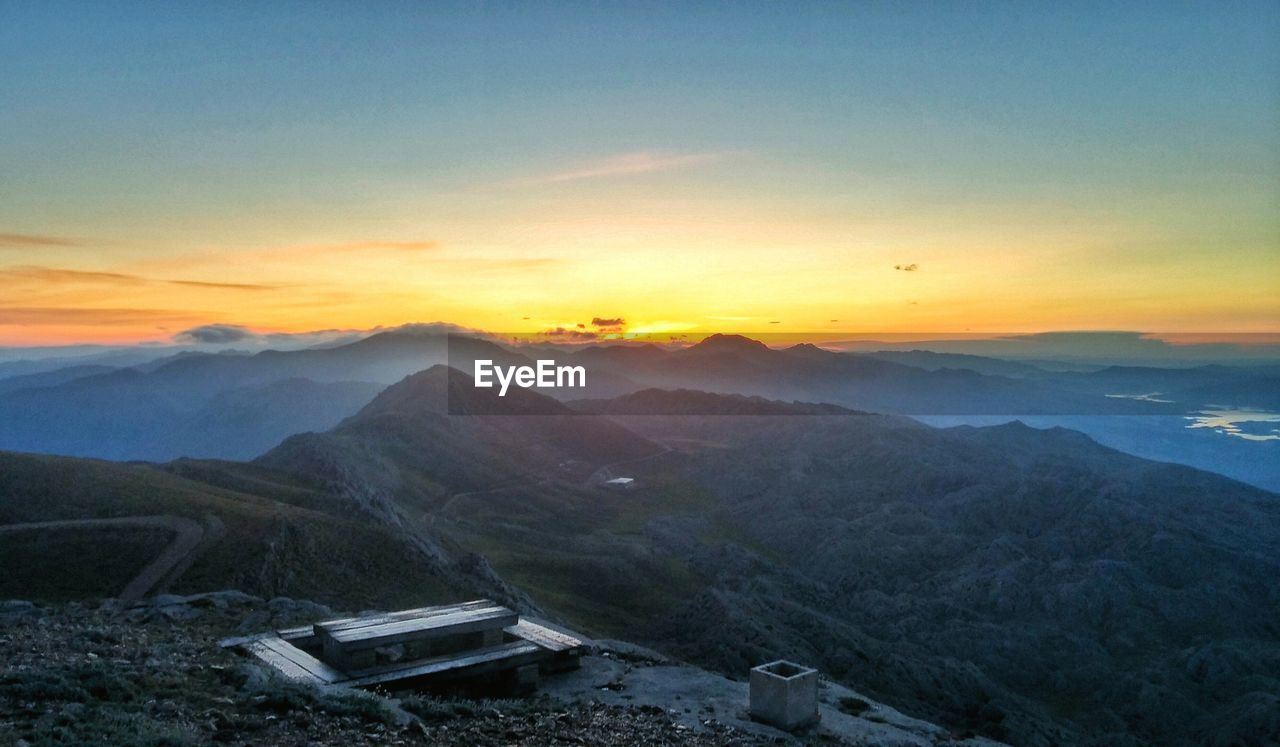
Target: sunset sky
(998,167)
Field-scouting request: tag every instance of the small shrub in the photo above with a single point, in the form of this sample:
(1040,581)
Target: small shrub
(854,706)
(98,636)
(108,725)
(42,687)
(365,706)
(104,684)
(434,710)
(270,692)
(285,697)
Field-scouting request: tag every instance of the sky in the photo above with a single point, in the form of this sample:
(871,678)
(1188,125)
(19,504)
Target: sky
(748,167)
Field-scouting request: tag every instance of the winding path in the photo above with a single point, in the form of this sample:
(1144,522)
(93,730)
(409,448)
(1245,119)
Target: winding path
(188,534)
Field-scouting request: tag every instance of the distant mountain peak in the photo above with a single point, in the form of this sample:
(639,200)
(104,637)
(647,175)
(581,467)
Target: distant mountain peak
(424,390)
(729,343)
(808,350)
(443,390)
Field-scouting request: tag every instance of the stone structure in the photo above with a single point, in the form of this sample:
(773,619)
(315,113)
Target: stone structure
(784,695)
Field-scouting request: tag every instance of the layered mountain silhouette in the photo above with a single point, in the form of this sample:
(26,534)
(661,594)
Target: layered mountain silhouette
(175,407)
(435,433)
(692,402)
(732,364)
(216,405)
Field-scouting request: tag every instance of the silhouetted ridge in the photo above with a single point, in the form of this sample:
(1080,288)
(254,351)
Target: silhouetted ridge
(444,390)
(693,402)
(808,350)
(419,428)
(719,343)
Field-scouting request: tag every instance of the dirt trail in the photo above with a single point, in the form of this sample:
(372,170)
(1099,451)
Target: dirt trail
(187,536)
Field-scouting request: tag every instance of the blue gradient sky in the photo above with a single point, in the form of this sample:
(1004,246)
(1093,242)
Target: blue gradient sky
(1089,166)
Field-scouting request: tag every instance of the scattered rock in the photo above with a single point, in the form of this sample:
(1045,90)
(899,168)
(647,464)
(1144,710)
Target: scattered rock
(17,609)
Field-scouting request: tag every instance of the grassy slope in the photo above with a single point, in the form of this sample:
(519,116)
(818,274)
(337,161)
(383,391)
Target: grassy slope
(56,565)
(602,572)
(307,548)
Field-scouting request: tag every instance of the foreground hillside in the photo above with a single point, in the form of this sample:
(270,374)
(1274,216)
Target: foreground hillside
(1046,579)
(119,676)
(1029,586)
(264,533)
(152,673)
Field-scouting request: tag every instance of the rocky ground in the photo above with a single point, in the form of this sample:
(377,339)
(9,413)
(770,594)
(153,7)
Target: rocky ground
(153,674)
(623,674)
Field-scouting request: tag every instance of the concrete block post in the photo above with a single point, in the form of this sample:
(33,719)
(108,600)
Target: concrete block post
(784,695)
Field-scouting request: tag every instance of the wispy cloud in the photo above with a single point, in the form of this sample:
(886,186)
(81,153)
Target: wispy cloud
(216,334)
(496,265)
(62,275)
(225,286)
(628,164)
(27,239)
(309,251)
(514,263)
(408,246)
(53,315)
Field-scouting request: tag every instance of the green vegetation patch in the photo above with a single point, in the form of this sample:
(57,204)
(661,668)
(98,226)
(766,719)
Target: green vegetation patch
(54,565)
(853,706)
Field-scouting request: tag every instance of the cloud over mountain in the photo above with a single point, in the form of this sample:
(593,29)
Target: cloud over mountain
(215,334)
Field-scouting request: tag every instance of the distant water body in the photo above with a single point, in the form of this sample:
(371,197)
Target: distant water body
(1246,423)
(1251,425)
(1240,443)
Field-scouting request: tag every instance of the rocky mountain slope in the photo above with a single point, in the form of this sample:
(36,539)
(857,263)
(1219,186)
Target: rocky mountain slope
(1058,581)
(1022,584)
(267,533)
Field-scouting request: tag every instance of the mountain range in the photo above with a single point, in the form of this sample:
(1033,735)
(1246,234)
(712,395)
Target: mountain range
(236,405)
(1028,585)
